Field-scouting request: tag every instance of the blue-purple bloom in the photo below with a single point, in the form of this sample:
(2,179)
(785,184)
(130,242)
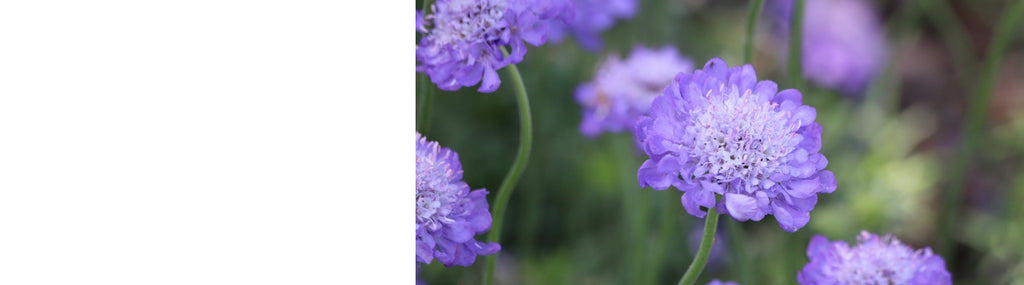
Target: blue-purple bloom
(622,90)
(719,131)
(874,260)
(720,282)
(843,42)
(448,215)
(592,18)
(462,39)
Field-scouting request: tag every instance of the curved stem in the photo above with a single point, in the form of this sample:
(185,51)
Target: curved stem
(518,166)
(975,125)
(710,224)
(752,15)
(796,31)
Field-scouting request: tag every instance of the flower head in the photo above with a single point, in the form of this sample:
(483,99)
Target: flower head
(592,18)
(874,260)
(462,39)
(448,215)
(720,131)
(843,42)
(623,89)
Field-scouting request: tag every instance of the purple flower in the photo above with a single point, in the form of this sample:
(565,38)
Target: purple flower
(462,39)
(843,42)
(592,18)
(719,131)
(448,215)
(874,260)
(623,90)
(720,282)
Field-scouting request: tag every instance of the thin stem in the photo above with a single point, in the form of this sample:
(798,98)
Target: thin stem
(423,110)
(796,32)
(518,166)
(752,15)
(710,224)
(426,90)
(975,125)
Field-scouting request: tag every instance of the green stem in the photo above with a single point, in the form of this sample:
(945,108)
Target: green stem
(755,11)
(426,90)
(975,125)
(710,224)
(423,110)
(796,31)
(518,166)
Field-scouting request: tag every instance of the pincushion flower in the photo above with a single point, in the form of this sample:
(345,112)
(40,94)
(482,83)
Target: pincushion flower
(873,260)
(592,18)
(719,131)
(462,39)
(843,42)
(448,215)
(622,90)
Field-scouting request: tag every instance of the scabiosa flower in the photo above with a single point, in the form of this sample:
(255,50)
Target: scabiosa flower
(843,42)
(720,282)
(462,39)
(623,89)
(592,18)
(720,131)
(448,215)
(874,260)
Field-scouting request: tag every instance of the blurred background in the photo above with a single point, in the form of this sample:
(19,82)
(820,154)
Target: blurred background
(578,215)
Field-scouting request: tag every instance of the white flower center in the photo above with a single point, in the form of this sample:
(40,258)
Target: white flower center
(737,136)
(468,20)
(435,195)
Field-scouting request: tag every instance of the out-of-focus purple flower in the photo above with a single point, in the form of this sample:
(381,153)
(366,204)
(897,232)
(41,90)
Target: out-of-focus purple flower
(874,260)
(623,90)
(843,42)
(719,131)
(448,215)
(720,282)
(592,18)
(462,39)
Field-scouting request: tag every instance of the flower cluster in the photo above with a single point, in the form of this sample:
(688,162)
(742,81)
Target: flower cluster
(448,215)
(592,18)
(874,260)
(843,42)
(719,131)
(462,39)
(623,90)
